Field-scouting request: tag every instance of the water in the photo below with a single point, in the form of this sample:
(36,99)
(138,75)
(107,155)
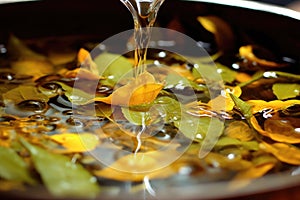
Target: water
(144,14)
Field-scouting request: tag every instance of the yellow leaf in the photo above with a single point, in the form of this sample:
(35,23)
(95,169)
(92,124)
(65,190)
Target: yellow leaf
(142,90)
(219,160)
(247,52)
(81,73)
(283,152)
(224,101)
(289,135)
(239,130)
(85,60)
(221,29)
(32,67)
(135,167)
(76,142)
(259,105)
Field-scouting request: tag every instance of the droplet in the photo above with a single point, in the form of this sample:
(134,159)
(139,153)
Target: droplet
(32,106)
(8,76)
(75,122)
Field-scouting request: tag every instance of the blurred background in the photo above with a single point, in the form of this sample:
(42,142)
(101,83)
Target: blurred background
(293,4)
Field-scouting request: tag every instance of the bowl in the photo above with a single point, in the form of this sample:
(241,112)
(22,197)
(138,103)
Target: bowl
(273,27)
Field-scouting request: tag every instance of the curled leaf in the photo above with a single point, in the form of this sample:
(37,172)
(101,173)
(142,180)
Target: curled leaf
(142,90)
(239,130)
(284,152)
(221,29)
(275,126)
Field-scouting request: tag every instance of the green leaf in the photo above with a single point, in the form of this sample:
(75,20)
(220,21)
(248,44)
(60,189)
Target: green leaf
(18,49)
(228,141)
(228,75)
(62,176)
(197,128)
(13,167)
(113,67)
(24,92)
(136,117)
(76,96)
(244,107)
(286,90)
(171,109)
(175,80)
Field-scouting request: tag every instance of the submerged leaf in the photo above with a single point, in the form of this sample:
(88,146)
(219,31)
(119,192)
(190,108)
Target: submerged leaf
(62,177)
(13,167)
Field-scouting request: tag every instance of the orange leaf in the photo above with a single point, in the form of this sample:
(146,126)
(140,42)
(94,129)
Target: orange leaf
(283,152)
(142,90)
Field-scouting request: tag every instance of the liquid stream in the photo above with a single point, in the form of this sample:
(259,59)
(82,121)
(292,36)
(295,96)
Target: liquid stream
(144,14)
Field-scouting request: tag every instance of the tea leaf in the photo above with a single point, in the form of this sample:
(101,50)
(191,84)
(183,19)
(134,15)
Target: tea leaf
(221,29)
(113,67)
(244,107)
(76,96)
(13,167)
(284,152)
(62,176)
(24,92)
(76,142)
(286,90)
(142,90)
(227,141)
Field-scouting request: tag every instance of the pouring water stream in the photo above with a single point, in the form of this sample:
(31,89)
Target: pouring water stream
(144,14)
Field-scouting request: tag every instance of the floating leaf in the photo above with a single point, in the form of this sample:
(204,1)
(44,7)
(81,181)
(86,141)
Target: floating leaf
(221,29)
(135,167)
(76,142)
(224,101)
(76,96)
(62,176)
(228,141)
(248,53)
(113,67)
(284,152)
(244,107)
(218,160)
(286,90)
(32,67)
(13,167)
(259,105)
(24,92)
(18,49)
(228,75)
(142,90)
(239,130)
(253,172)
(275,128)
